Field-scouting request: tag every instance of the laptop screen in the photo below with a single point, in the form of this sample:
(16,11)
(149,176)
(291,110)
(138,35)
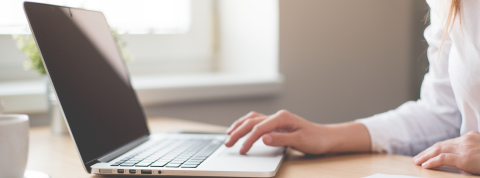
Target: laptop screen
(89,76)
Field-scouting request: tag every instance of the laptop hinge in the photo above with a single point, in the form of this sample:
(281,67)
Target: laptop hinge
(112,155)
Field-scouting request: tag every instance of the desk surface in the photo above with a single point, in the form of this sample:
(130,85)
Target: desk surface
(57,156)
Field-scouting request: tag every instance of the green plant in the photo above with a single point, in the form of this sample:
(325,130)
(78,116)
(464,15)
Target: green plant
(27,45)
(127,56)
(29,48)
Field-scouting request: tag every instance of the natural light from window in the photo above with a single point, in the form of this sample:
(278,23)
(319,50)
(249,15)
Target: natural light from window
(184,50)
(127,16)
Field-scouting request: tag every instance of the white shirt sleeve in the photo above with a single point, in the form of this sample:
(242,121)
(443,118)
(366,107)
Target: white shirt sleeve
(416,125)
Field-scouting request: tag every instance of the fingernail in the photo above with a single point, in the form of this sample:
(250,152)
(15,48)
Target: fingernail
(241,150)
(425,163)
(267,139)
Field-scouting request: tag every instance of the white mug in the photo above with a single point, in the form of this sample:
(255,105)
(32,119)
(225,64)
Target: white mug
(13,145)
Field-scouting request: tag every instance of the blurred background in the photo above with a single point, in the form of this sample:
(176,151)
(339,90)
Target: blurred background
(216,60)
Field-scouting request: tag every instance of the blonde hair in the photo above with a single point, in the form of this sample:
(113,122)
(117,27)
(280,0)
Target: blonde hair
(453,12)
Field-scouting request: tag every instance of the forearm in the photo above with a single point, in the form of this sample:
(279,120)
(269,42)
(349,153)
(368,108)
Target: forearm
(348,137)
(286,129)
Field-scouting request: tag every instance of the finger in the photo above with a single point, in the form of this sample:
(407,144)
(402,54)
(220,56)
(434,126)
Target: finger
(280,139)
(240,121)
(435,151)
(449,142)
(447,159)
(274,122)
(243,130)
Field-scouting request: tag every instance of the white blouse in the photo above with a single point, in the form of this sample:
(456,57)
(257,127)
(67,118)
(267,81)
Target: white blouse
(450,95)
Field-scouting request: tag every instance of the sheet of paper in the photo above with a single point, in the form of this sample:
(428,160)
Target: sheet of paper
(389,176)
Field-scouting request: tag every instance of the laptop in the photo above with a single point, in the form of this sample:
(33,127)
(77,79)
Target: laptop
(104,116)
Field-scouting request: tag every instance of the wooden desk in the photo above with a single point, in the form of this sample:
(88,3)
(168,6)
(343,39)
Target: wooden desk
(57,156)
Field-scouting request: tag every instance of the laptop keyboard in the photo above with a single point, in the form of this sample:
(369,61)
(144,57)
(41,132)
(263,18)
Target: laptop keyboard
(172,153)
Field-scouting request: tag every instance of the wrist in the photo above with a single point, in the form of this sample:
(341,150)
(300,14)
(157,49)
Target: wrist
(348,137)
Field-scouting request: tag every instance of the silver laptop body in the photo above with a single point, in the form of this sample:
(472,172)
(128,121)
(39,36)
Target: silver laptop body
(104,116)
(261,161)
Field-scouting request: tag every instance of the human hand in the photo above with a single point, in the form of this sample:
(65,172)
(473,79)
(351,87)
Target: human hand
(280,129)
(461,152)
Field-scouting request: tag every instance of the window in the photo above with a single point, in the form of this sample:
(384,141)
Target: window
(215,49)
(164,36)
(127,16)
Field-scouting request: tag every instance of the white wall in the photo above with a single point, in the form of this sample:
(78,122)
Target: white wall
(342,60)
(248,39)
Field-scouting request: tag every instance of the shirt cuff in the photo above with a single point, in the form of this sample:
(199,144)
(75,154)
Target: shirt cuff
(377,135)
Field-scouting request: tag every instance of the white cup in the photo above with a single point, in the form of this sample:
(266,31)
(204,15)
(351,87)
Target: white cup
(13,145)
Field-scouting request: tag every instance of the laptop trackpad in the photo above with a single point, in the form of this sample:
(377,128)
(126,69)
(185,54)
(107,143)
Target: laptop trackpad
(260,158)
(259,149)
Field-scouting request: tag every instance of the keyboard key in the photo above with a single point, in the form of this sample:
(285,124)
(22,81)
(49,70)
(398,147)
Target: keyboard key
(172,153)
(116,164)
(127,164)
(141,165)
(137,160)
(131,162)
(199,157)
(158,164)
(189,166)
(172,165)
(145,162)
(169,157)
(193,162)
